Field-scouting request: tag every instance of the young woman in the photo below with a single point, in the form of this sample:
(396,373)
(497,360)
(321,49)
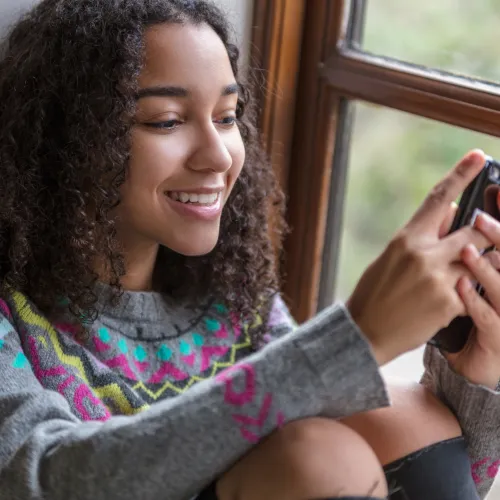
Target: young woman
(144,349)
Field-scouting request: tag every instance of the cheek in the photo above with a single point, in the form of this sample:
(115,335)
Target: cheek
(237,151)
(153,158)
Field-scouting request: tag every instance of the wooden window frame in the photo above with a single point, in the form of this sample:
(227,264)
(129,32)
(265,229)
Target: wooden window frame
(312,154)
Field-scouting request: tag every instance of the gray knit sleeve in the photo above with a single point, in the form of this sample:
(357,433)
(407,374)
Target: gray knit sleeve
(477,409)
(178,446)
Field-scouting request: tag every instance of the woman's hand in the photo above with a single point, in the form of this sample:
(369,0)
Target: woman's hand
(410,291)
(479,361)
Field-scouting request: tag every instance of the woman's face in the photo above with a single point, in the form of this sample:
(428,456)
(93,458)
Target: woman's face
(187,151)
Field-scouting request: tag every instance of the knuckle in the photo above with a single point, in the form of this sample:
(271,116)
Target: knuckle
(439,193)
(485,316)
(449,307)
(420,263)
(462,170)
(468,235)
(483,264)
(400,243)
(453,305)
(493,259)
(434,282)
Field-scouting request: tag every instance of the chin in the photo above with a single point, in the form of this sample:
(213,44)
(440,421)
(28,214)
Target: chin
(190,249)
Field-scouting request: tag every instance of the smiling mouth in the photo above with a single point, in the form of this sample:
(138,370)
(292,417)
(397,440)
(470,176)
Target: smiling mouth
(206,200)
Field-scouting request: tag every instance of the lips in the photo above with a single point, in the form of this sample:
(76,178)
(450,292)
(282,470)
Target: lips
(206,199)
(203,206)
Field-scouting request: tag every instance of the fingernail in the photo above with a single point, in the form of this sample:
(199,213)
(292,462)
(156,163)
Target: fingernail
(477,212)
(486,220)
(475,156)
(467,284)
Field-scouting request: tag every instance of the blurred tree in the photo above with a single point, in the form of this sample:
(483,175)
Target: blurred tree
(397,157)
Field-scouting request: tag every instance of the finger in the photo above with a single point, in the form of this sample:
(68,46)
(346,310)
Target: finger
(489,227)
(484,273)
(459,270)
(452,245)
(432,213)
(493,258)
(448,221)
(483,315)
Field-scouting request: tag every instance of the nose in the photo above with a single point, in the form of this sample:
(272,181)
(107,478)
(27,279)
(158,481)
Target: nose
(211,153)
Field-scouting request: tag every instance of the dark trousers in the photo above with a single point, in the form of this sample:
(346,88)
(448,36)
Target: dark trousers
(441,471)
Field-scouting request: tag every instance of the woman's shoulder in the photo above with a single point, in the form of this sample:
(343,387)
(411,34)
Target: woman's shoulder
(275,319)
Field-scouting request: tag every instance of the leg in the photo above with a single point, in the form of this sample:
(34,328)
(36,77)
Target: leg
(305,460)
(415,420)
(419,443)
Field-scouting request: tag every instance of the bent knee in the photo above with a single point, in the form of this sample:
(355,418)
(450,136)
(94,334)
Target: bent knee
(332,456)
(415,420)
(311,458)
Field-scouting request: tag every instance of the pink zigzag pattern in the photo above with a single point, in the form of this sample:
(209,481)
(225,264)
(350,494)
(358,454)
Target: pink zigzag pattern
(491,471)
(99,345)
(81,393)
(189,360)
(261,418)
(230,395)
(167,369)
(70,328)
(65,383)
(222,333)
(121,362)
(141,366)
(5,310)
(247,396)
(236,325)
(207,353)
(41,373)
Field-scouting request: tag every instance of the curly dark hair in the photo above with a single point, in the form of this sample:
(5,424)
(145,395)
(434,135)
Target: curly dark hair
(68,81)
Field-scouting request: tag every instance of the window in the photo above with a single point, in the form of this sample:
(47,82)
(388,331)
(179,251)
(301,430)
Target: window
(364,93)
(386,103)
(459,36)
(394,158)
(389,96)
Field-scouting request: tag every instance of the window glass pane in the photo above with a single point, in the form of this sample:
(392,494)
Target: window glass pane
(395,159)
(460,36)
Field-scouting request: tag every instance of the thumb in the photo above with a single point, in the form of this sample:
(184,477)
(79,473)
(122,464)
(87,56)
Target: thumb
(448,220)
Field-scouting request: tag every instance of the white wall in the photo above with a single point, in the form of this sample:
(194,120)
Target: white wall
(10,11)
(240,13)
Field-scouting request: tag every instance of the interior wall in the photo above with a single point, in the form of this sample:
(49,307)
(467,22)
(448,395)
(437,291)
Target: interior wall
(10,11)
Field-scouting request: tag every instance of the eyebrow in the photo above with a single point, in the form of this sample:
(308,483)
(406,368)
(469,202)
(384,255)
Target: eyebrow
(172,91)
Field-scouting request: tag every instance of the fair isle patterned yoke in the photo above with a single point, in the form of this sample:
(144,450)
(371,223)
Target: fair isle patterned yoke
(131,358)
(58,395)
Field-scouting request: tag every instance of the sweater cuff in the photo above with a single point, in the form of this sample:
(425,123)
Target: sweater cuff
(477,407)
(340,355)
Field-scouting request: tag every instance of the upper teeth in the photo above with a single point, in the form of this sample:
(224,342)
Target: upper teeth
(203,199)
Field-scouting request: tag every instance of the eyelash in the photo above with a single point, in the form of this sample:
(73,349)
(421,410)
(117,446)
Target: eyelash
(171,125)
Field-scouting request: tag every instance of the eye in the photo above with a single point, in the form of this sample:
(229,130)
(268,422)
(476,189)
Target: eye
(227,122)
(168,125)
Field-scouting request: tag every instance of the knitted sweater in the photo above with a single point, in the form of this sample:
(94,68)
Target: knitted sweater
(158,400)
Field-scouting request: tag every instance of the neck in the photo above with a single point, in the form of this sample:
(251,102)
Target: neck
(140,262)
(139,265)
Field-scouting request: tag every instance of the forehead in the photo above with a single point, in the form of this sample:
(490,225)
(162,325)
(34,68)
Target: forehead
(185,55)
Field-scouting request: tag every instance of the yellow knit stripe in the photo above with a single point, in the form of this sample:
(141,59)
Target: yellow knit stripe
(111,391)
(195,378)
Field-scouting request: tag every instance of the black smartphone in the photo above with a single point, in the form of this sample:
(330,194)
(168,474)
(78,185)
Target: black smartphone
(480,194)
